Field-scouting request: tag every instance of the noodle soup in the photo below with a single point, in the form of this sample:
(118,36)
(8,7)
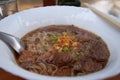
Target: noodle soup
(63,50)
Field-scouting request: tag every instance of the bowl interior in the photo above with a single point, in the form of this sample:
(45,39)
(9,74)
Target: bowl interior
(21,23)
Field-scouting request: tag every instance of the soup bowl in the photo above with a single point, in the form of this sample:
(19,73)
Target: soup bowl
(23,22)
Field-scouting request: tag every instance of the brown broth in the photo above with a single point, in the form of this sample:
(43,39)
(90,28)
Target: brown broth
(63,50)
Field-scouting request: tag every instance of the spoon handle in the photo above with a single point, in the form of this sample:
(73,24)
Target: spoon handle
(12,41)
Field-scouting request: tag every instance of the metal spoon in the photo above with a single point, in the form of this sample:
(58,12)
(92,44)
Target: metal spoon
(12,41)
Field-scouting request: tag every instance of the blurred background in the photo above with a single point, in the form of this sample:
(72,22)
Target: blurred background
(8,7)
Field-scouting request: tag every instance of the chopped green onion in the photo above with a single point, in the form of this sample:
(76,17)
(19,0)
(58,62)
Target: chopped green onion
(80,74)
(53,38)
(77,53)
(44,46)
(65,49)
(98,38)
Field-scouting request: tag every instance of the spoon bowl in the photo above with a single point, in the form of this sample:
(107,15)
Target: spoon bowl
(12,41)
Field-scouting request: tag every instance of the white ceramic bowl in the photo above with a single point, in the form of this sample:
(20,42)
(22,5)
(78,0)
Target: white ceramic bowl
(21,23)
